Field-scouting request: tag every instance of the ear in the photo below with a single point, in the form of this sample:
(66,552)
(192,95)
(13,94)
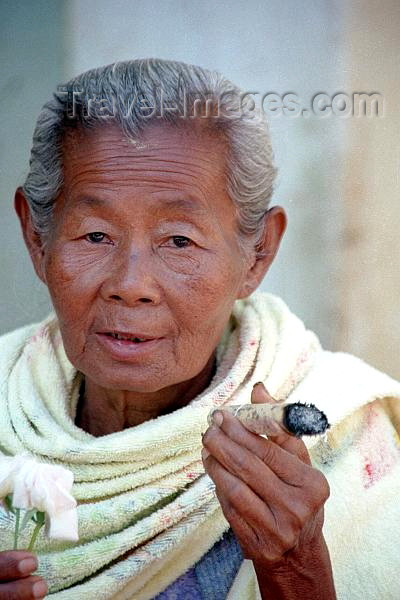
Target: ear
(32,239)
(275,222)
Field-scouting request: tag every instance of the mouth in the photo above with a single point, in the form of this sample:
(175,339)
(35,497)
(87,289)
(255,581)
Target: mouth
(136,338)
(129,346)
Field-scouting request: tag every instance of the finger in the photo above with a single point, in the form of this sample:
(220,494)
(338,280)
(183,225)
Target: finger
(287,466)
(257,444)
(242,530)
(15,564)
(297,488)
(288,442)
(27,588)
(277,527)
(262,465)
(236,497)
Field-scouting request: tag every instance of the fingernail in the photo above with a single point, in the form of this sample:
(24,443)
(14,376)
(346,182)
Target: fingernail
(39,589)
(205,453)
(259,383)
(27,565)
(218,418)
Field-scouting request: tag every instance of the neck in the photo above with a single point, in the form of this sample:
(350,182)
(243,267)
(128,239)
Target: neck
(102,411)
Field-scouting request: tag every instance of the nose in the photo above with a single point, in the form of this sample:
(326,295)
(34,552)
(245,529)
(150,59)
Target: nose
(131,280)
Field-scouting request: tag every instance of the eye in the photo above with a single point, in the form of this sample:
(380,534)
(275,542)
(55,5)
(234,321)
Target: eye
(95,237)
(181,241)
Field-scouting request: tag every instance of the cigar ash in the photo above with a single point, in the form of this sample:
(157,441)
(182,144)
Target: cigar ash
(304,419)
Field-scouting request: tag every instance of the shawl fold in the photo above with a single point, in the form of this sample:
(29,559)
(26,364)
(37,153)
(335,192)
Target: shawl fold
(147,511)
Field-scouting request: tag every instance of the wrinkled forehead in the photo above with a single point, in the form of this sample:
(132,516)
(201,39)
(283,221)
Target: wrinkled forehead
(155,136)
(161,155)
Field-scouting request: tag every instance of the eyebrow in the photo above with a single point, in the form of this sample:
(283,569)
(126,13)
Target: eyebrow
(186,203)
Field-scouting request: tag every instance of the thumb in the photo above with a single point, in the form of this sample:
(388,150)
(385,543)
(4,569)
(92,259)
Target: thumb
(260,395)
(287,441)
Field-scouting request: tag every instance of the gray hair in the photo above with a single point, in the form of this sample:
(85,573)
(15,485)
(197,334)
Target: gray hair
(127,91)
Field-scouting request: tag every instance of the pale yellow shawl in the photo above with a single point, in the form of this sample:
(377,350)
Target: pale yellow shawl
(147,511)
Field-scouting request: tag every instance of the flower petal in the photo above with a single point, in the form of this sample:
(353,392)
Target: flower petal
(22,484)
(63,525)
(50,490)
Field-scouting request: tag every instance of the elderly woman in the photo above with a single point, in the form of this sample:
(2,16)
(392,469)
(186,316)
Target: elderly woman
(146,214)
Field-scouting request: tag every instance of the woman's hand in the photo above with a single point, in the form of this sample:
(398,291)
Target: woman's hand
(16,581)
(273,499)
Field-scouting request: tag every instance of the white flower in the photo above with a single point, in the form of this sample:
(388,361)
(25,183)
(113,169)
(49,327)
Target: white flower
(43,487)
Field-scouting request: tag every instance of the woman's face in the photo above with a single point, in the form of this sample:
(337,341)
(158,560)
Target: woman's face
(144,245)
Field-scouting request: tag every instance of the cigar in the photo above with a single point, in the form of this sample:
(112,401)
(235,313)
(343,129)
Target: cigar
(295,418)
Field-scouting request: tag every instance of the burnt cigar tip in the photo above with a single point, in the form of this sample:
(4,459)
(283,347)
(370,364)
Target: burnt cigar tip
(305,419)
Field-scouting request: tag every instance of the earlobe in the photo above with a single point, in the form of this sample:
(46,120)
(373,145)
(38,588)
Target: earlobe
(275,222)
(32,239)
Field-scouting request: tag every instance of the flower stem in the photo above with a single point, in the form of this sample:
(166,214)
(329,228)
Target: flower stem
(16,529)
(34,536)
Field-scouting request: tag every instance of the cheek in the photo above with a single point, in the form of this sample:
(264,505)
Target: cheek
(66,272)
(72,287)
(206,299)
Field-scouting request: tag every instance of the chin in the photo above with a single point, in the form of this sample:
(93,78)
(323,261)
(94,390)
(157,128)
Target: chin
(129,379)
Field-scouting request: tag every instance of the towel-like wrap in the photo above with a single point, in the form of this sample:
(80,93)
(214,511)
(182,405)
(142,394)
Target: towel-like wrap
(147,512)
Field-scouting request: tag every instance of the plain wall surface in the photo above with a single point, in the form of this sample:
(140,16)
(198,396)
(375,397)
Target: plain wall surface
(31,65)
(370,252)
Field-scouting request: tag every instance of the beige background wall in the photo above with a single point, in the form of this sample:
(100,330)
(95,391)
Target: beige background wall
(369,246)
(31,52)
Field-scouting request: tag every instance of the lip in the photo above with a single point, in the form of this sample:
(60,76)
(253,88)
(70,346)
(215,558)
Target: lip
(126,350)
(135,334)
